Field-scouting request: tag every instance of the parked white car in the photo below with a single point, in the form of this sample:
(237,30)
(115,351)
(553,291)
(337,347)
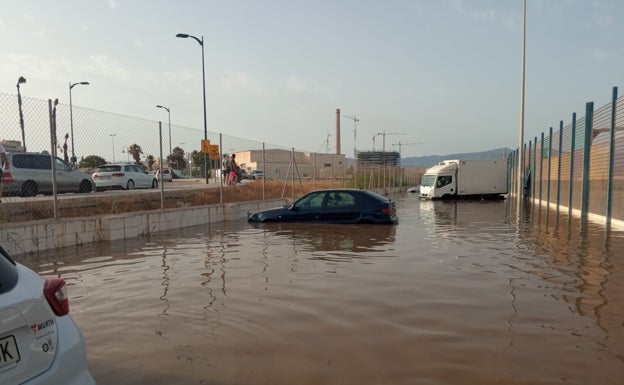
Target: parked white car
(123,175)
(39,342)
(167,175)
(255,174)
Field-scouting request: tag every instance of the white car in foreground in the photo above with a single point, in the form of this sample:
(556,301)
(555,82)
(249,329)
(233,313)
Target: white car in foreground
(39,341)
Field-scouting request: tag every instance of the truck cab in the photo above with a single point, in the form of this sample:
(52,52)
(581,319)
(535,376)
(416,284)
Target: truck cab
(440,181)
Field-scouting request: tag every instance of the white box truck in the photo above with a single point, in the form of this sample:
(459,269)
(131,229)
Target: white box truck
(468,178)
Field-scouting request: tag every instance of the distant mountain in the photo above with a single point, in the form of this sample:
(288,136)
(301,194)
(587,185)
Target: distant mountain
(430,160)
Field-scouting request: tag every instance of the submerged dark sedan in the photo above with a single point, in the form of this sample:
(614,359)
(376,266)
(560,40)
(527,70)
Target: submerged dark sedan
(333,206)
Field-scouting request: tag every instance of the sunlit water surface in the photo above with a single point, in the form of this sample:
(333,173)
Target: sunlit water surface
(456,293)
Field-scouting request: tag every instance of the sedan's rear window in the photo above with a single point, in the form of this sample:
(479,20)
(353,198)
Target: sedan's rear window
(8,272)
(108,169)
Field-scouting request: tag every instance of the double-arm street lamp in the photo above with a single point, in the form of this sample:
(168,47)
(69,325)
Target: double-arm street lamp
(21,80)
(201,43)
(71,118)
(169,117)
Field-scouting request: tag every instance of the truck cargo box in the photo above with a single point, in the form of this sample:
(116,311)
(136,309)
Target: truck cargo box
(482,176)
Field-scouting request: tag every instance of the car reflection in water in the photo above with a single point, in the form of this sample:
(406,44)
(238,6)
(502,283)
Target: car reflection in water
(336,243)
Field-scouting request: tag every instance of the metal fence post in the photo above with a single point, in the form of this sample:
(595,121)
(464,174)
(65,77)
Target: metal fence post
(160,165)
(611,156)
(529,175)
(223,177)
(52,112)
(534,168)
(559,166)
(572,155)
(589,115)
(550,136)
(541,170)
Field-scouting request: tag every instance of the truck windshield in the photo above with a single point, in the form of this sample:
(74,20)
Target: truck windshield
(428,180)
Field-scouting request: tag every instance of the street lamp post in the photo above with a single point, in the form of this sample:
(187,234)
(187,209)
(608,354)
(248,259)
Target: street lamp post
(113,136)
(21,80)
(169,118)
(71,118)
(201,43)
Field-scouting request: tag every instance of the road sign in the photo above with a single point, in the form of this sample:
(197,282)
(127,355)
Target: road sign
(205,146)
(213,154)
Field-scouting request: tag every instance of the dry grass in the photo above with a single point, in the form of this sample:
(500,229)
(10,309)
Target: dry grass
(272,190)
(150,200)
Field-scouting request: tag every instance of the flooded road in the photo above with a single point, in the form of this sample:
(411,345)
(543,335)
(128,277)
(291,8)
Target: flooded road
(456,293)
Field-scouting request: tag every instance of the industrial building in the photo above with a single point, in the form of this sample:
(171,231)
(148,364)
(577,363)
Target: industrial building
(282,164)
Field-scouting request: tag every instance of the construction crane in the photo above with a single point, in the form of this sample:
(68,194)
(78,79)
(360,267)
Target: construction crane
(383,151)
(383,134)
(355,121)
(404,144)
(326,143)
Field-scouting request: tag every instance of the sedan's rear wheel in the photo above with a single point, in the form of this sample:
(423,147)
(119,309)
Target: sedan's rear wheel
(130,185)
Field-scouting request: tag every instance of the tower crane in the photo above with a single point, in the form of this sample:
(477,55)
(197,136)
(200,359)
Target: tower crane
(355,159)
(404,144)
(383,134)
(355,121)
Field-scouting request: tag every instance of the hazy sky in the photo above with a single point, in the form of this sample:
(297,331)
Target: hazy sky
(446,73)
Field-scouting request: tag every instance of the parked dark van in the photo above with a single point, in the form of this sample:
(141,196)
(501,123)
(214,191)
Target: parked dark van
(30,174)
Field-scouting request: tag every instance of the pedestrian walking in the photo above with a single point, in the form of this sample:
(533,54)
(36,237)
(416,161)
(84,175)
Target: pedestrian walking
(225,169)
(233,169)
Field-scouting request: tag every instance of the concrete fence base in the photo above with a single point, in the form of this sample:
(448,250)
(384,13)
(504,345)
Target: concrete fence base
(34,236)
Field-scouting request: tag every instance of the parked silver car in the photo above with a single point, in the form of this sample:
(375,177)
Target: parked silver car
(30,174)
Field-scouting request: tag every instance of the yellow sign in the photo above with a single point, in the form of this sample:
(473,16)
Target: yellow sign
(205,146)
(213,154)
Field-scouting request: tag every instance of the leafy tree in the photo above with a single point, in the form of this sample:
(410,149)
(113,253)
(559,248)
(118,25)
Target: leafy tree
(136,152)
(150,162)
(198,163)
(177,156)
(91,162)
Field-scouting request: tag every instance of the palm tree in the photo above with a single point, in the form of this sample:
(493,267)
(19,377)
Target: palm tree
(150,161)
(136,152)
(177,157)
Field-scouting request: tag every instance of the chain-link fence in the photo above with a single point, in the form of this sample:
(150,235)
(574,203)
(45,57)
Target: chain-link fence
(85,139)
(579,168)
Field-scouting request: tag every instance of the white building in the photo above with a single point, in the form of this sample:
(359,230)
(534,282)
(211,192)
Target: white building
(281,164)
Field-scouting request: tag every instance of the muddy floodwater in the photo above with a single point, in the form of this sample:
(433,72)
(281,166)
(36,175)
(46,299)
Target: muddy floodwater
(456,293)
